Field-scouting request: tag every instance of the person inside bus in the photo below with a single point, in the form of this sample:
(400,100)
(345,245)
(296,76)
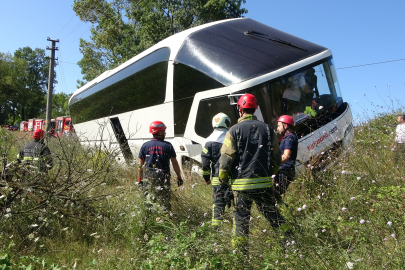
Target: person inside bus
(313,110)
(311,81)
(291,98)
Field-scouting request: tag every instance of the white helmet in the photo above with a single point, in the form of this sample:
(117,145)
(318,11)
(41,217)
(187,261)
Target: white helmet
(221,120)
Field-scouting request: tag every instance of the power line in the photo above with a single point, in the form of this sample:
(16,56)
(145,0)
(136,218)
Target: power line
(66,25)
(67,62)
(94,6)
(80,23)
(62,72)
(80,35)
(373,64)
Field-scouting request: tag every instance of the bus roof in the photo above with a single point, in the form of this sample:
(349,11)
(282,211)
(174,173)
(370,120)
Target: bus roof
(239,50)
(230,51)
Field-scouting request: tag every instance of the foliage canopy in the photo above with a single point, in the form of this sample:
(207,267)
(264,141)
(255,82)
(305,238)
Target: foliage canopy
(123,28)
(23,86)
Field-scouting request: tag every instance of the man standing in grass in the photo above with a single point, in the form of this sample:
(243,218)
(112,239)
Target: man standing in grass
(399,143)
(289,150)
(210,166)
(250,156)
(156,154)
(36,152)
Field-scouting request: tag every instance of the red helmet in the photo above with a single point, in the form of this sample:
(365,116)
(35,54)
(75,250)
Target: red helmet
(156,126)
(247,101)
(286,119)
(38,134)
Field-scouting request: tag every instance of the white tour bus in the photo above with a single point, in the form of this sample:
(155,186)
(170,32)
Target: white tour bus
(191,76)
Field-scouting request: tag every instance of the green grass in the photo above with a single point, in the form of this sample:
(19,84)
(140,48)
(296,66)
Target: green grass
(354,218)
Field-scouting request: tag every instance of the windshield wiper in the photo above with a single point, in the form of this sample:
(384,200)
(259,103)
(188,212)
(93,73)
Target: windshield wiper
(260,35)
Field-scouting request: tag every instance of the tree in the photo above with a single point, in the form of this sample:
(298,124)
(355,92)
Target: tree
(124,28)
(59,105)
(23,84)
(12,74)
(36,82)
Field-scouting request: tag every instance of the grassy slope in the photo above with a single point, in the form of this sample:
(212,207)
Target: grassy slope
(344,224)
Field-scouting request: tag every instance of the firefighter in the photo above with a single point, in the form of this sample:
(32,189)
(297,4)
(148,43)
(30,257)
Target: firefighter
(156,154)
(210,167)
(250,156)
(36,152)
(289,149)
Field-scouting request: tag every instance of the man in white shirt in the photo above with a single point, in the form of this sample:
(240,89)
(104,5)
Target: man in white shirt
(291,99)
(399,143)
(294,88)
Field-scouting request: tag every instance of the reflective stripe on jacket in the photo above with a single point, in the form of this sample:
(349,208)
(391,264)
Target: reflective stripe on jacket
(210,156)
(250,155)
(37,151)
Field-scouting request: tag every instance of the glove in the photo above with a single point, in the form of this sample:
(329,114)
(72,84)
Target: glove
(140,183)
(207,179)
(179,182)
(223,177)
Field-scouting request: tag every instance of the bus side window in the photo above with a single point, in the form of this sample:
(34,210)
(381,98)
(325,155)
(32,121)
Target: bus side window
(207,109)
(140,85)
(187,82)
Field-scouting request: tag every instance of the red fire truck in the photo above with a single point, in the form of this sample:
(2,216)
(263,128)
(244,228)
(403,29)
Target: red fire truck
(38,124)
(22,125)
(31,124)
(53,127)
(64,126)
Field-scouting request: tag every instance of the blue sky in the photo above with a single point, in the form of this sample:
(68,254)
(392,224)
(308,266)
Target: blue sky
(358,32)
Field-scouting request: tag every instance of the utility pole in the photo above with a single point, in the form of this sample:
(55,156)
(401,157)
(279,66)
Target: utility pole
(50,83)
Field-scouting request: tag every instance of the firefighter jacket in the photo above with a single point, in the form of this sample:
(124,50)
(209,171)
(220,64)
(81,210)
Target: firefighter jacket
(250,155)
(210,155)
(36,153)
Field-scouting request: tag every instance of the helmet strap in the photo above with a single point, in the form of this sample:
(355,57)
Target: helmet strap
(287,129)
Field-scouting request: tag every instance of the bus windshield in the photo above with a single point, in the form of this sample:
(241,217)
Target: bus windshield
(311,95)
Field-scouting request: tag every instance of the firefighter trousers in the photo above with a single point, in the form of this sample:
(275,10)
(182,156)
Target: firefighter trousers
(218,206)
(282,180)
(157,190)
(265,202)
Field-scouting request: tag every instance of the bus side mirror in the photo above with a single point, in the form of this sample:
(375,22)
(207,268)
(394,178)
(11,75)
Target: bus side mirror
(233,99)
